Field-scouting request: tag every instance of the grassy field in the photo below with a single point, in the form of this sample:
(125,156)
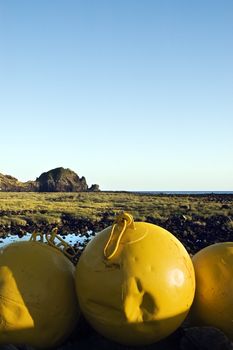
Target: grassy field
(21,208)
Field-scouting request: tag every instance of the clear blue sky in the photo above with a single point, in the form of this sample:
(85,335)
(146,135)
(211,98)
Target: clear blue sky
(132,94)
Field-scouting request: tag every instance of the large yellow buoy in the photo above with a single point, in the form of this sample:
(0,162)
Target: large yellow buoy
(213,302)
(135,282)
(38,302)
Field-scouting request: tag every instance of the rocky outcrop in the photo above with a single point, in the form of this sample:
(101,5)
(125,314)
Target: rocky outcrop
(55,180)
(9,183)
(61,180)
(94,188)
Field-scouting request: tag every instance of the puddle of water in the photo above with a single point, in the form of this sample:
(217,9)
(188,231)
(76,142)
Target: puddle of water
(70,238)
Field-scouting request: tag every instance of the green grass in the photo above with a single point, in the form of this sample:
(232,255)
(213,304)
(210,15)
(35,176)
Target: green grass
(19,208)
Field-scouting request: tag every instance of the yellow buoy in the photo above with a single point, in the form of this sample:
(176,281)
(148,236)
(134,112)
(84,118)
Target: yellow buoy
(38,303)
(213,302)
(135,282)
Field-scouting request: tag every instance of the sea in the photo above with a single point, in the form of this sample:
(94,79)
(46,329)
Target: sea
(184,192)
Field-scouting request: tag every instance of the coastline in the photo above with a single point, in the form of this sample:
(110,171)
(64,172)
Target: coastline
(197,220)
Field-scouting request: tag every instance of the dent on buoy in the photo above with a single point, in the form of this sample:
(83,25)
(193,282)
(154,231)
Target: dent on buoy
(135,282)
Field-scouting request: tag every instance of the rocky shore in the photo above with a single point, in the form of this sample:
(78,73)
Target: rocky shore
(194,230)
(195,234)
(185,338)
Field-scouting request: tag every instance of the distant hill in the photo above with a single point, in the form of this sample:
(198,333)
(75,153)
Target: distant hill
(9,183)
(55,180)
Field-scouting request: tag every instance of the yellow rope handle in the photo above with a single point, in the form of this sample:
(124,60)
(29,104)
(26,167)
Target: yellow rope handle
(36,235)
(127,221)
(67,249)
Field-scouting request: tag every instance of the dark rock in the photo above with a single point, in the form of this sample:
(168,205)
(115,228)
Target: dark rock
(94,188)
(208,338)
(8,347)
(185,206)
(61,180)
(226,206)
(85,338)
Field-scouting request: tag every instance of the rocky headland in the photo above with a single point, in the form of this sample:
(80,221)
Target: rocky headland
(55,180)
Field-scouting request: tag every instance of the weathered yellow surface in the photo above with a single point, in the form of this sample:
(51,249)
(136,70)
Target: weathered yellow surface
(38,303)
(213,302)
(143,292)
